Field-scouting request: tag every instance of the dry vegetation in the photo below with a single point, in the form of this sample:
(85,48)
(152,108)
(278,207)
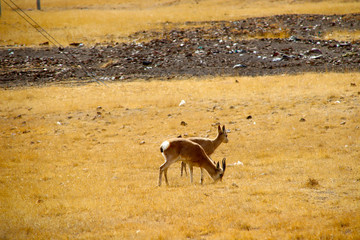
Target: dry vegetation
(95,21)
(81,162)
(72,169)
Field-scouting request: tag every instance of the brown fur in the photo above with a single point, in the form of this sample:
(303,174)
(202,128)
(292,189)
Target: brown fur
(209,145)
(192,154)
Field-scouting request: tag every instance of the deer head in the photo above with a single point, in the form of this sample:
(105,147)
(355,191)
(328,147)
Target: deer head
(221,170)
(222,134)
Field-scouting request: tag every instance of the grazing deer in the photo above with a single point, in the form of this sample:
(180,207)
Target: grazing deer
(209,145)
(191,153)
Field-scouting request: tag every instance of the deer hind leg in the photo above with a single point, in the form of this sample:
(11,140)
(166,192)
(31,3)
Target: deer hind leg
(183,167)
(201,175)
(165,166)
(163,169)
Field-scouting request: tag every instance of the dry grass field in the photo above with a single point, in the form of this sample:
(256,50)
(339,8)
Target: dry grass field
(82,162)
(93,21)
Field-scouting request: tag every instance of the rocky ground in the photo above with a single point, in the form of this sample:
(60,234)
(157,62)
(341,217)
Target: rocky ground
(255,46)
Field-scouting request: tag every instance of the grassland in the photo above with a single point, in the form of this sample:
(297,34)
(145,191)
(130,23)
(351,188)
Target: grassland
(82,162)
(95,21)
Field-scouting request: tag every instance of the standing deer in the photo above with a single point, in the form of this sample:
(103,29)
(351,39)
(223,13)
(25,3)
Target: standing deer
(191,153)
(209,145)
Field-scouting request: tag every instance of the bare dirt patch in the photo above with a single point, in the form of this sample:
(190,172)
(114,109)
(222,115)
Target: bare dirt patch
(254,46)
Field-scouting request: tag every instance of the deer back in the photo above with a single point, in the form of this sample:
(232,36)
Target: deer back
(189,151)
(205,143)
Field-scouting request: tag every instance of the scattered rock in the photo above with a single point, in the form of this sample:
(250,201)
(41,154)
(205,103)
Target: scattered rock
(146,63)
(314,51)
(249,117)
(76,44)
(293,39)
(182,103)
(200,50)
(302,120)
(239,66)
(238,163)
(312,183)
(183,123)
(316,57)
(277,59)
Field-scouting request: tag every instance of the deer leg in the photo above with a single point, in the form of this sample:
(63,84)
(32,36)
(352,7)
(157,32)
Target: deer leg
(201,176)
(191,173)
(183,167)
(165,174)
(163,168)
(160,175)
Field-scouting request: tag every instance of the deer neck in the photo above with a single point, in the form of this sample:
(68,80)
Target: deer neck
(210,168)
(216,141)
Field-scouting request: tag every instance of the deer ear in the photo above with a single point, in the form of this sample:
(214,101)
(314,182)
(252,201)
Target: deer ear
(219,128)
(218,165)
(223,128)
(224,164)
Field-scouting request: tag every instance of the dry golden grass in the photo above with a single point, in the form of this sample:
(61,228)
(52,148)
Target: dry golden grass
(343,35)
(98,21)
(71,170)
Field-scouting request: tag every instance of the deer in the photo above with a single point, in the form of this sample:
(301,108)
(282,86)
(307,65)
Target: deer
(191,153)
(209,145)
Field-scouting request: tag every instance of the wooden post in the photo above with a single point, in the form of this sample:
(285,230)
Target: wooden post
(38,4)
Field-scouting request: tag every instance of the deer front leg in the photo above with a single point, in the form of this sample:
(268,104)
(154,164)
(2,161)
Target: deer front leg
(183,167)
(201,176)
(191,173)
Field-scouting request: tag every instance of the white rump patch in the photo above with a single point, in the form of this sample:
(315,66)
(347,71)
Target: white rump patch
(165,145)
